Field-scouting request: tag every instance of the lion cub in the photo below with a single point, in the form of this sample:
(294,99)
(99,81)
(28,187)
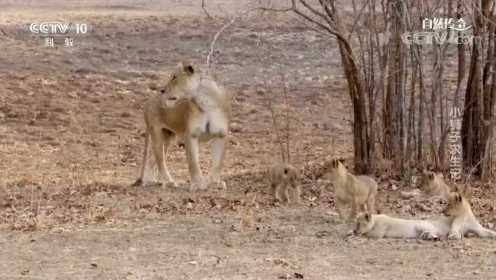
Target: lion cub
(283,178)
(464,221)
(357,191)
(432,184)
(383,226)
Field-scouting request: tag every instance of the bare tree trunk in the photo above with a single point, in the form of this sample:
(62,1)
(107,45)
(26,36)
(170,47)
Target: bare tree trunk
(474,129)
(411,136)
(420,128)
(461,60)
(360,124)
(394,133)
(325,16)
(489,97)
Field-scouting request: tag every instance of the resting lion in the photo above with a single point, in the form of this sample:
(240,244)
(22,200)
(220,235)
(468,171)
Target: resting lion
(384,226)
(433,185)
(194,108)
(464,221)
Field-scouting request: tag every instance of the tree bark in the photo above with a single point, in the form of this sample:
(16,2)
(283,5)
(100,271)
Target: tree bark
(393,115)
(479,103)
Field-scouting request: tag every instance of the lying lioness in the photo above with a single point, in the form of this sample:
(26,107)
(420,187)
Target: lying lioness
(383,226)
(464,221)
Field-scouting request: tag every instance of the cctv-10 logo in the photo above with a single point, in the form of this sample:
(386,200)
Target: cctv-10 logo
(58,28)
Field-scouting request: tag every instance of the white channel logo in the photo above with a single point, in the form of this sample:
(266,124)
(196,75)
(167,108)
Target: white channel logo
(58,28)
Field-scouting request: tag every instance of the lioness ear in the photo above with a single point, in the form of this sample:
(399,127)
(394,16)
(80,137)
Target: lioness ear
(458,197)
(466,191)
(188,68)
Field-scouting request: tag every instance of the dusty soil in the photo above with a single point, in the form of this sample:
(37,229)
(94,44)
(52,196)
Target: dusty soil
(71,137)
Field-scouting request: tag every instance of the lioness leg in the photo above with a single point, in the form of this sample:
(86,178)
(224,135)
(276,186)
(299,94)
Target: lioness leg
(192,153)
(370,203)
(296,194)
(277,192)
(142,180)
(482,232)
(168,139)
(354,209)
(285,193)
(456,229)
(273,189)
(159,142)
(340,207)
(218,149)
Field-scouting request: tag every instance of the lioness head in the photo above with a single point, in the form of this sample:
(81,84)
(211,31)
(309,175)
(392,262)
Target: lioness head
(432,183)
(364,223)
(457,205)
(332,168)
(182,84)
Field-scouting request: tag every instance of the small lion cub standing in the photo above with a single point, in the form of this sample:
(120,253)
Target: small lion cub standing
(357,191)
(284,177)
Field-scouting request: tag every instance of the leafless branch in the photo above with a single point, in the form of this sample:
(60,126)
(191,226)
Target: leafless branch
(205,9)
(216,37)
(275,125)
(224,27)
(286,105)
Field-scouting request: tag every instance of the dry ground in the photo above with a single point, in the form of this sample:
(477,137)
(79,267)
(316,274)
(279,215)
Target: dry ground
(71,139)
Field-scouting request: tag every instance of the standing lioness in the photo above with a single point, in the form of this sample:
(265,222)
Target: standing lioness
(194,108)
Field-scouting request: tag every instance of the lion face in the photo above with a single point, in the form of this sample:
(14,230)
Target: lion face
(364,223)
(182,84)
(290,174)
(431,182)
(286,174)
(455,204)
(332,168)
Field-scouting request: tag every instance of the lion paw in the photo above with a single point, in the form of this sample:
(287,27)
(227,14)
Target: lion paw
(455,235)
(169,184)
(198,185)
(218,184)
(429,236)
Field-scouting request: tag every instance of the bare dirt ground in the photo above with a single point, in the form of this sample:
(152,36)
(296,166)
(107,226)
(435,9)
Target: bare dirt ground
(71,138)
